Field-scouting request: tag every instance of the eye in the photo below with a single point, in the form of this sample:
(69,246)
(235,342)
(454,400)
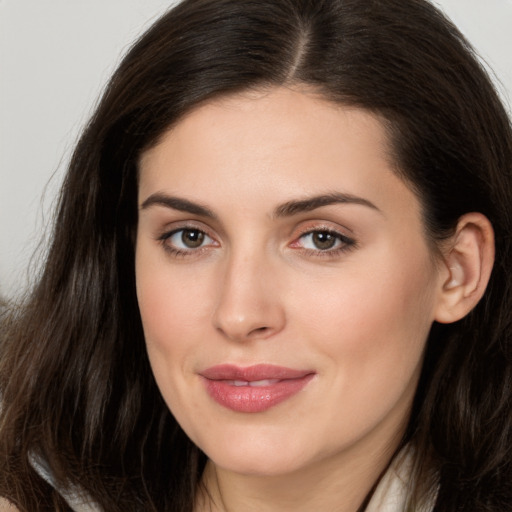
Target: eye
(324,241)
(186,239)
(320,240)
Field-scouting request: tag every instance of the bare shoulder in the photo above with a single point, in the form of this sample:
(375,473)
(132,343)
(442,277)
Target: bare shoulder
(7,506)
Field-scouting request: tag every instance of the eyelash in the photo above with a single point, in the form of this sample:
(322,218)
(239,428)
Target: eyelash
(181,253)
(345,243)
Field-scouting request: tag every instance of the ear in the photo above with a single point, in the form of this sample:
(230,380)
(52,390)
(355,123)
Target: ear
(467,262)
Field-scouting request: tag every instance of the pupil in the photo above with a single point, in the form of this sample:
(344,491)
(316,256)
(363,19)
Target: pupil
(324,240)
(192,238)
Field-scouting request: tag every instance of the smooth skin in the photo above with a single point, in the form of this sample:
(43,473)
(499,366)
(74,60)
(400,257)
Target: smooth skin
(237,263)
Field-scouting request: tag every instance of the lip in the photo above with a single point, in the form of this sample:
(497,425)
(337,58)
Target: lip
(254,388)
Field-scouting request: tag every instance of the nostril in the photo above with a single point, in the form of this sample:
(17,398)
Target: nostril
(259,330)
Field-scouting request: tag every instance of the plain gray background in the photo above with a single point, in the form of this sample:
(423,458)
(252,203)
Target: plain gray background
(55,57)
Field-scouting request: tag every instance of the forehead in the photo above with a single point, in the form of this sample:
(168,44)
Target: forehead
(274,117)
(273,145)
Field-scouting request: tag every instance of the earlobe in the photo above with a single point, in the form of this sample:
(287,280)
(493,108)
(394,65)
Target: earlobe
(467,264)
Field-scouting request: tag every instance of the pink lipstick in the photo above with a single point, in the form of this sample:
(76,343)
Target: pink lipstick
(254,388)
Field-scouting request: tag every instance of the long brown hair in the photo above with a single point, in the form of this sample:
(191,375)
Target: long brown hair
(76,386)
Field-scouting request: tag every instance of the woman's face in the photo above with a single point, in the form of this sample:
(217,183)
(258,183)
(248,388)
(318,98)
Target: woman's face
(285,284)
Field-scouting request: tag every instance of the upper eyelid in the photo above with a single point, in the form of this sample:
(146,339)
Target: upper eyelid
(170,232)
(327,222)
(166,235)
(169,224)
(341,236)
(307,218)
(311,227)
(175,226)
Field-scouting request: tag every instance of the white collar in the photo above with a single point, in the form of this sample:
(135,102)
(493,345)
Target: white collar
(393,488)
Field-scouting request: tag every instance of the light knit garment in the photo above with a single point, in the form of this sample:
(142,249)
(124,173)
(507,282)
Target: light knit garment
(389,496)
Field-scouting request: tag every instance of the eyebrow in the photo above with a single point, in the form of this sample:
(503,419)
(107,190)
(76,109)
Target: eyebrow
(177,203)
(312,203)
(287,209)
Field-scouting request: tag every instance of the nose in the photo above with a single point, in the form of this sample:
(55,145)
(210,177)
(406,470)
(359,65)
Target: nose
(249,303)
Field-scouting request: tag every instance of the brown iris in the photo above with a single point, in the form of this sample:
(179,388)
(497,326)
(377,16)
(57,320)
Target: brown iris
(323,240)
(192,238)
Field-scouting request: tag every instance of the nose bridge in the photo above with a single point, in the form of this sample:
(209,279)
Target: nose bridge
(248,303)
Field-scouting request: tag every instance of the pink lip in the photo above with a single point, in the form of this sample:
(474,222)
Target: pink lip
(231,386)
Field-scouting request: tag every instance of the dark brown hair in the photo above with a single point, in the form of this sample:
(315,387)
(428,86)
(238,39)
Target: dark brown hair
(76,386)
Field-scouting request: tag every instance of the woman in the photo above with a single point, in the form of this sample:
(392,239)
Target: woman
(279,276)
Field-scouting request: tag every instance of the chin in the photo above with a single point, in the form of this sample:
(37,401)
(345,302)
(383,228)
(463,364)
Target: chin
(259,453)
(259,465)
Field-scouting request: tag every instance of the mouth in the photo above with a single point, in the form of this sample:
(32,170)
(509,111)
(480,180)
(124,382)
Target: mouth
(255,388)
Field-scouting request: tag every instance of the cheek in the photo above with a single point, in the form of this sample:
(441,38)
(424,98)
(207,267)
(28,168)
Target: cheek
(168,315)
(164,313)
(170,302)
(372,323)
(370,329)
(175,308)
